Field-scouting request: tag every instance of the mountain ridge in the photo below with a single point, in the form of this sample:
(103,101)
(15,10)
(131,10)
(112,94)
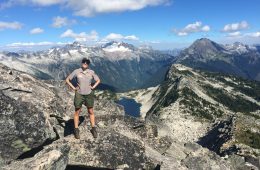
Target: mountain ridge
(132,68)
(236,59)
(219,111)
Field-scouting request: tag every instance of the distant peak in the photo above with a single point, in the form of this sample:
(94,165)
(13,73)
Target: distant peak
(205,43)
(109,44)
(119,45)
(238,44)
(76,43)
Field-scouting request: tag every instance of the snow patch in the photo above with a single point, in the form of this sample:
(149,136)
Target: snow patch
(116,49)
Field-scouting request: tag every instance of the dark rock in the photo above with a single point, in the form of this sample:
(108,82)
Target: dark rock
(53,157)
(25,109)
(192,146)
(23,127)
(218,135)
(110,150)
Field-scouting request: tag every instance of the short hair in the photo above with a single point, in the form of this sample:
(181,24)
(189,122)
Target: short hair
(85,60)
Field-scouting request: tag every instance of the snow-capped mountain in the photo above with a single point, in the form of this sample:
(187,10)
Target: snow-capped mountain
(239,48)
(114,46)
(120,65)
(237,59)
(123,66)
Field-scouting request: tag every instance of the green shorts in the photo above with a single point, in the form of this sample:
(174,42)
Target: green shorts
(87,100)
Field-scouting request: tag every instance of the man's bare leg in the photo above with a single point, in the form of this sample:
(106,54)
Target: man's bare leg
(76,118)
(91,116)
(92,121)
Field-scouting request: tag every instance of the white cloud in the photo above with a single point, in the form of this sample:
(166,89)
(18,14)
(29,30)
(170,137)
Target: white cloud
(118,37)
(234,34)
(205,28)
(182,33)
(42,2)
(36,31)
(236,26)
(254,34)
(192,28)
(10,3)
(114,36)
(247,38)
(34,46)
(89,8)
(10,25)
(58,22)
(92,36)
(238,34)
(131,37)
(30,44)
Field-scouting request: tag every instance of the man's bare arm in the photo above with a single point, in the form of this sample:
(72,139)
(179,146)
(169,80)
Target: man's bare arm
(69,83)
(96,84)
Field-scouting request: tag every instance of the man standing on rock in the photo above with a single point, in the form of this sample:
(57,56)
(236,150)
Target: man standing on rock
(84,94)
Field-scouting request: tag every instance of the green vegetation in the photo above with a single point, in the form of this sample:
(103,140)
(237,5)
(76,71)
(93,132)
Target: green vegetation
(253,115)
(198,106)
(248,87)
(19,144)
(164,99)
(236,103)
(107,94)
(249,138)
(171,96)
(146,92)
(185,72)
(133,94)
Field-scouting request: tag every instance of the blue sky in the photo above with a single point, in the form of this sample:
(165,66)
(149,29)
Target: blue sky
(162,24)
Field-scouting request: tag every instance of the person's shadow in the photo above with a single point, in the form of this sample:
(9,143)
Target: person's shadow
(69,126)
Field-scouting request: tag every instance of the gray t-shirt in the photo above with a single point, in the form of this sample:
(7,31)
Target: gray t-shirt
(84,79)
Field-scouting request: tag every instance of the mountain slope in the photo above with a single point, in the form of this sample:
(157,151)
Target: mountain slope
(221,112)
(237,59)
(120,65)
(217,111)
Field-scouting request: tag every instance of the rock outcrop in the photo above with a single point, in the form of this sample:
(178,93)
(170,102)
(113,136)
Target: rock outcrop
(26,106)
(54,157)
(37,129)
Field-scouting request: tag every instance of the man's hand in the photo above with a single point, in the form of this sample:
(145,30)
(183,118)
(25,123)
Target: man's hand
(95,85)
(69,83)
(72,88)
(76,88)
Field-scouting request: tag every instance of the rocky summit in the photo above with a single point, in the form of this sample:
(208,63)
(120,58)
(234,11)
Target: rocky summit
(37,129)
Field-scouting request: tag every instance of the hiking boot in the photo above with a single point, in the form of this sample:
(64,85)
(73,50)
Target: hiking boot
(76,133)
(94,132)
